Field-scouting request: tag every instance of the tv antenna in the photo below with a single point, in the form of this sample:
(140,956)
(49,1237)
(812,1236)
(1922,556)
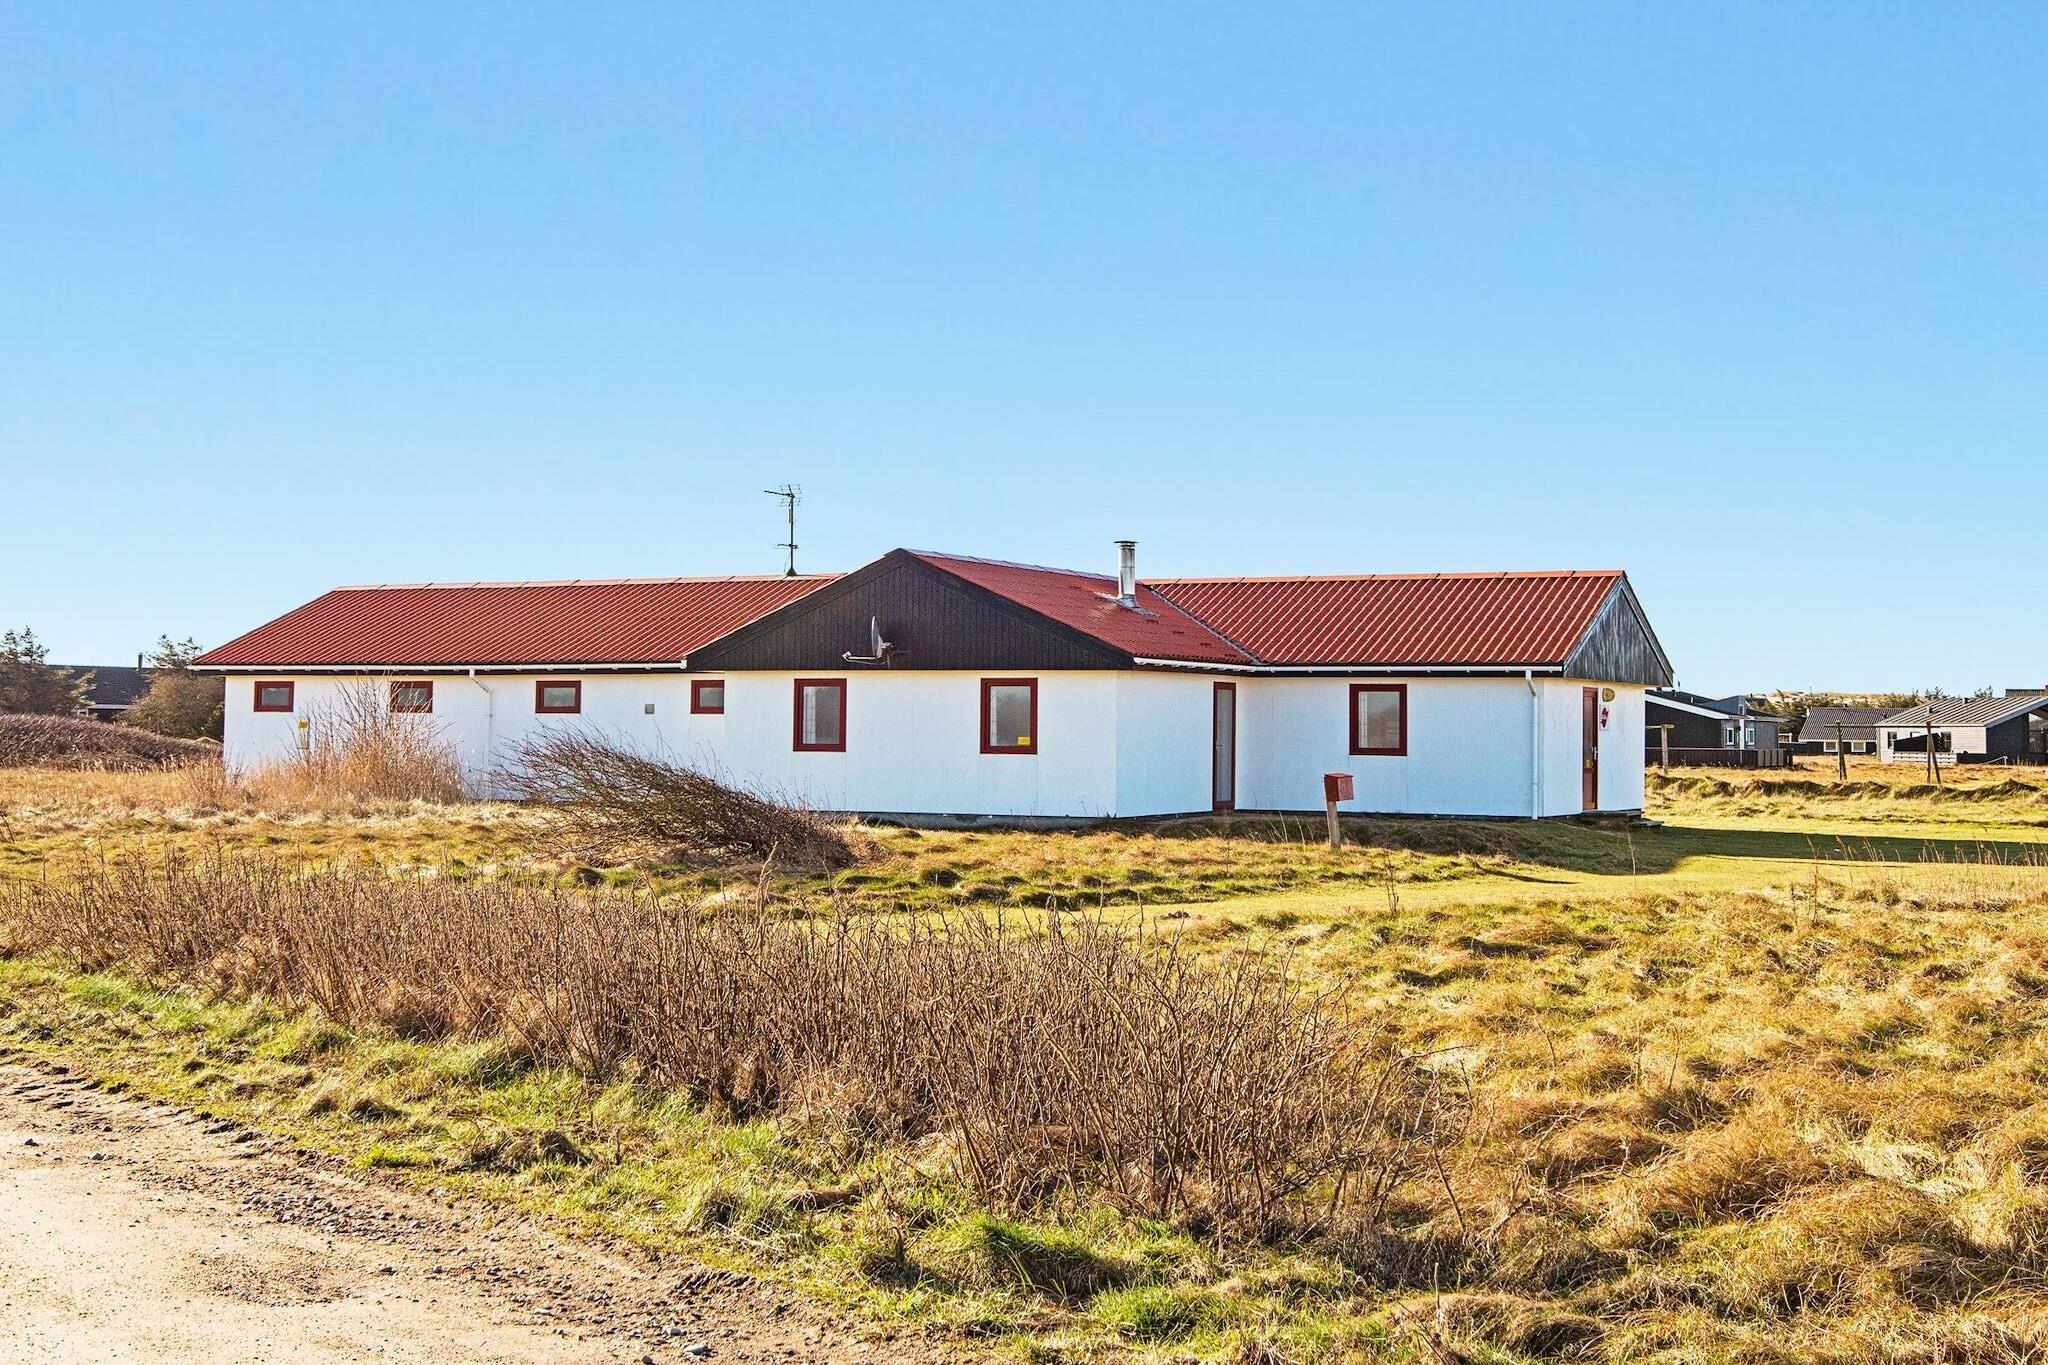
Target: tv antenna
(791,494)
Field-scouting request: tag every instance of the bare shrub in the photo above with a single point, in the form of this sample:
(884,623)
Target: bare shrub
(619,801)
(69,742)
(356,748)
(1082,1058)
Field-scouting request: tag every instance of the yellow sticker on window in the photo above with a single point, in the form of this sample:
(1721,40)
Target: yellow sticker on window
(1023,739)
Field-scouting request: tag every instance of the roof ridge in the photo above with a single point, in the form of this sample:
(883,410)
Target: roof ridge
(589,582)
(1386,577)
(1010,564)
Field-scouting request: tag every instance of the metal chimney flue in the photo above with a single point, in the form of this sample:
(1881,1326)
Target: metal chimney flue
(1127,572)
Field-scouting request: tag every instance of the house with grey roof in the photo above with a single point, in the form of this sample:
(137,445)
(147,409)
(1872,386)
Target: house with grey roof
(110,689)
(1718,731)
(1833,729)
(2008,729)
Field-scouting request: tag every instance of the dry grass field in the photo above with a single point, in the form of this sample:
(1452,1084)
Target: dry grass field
(1764,1082)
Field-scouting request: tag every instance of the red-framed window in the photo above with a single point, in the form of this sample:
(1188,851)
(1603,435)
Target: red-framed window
(1009,715)
(558,697)
(1379,718)
(413,698)
(819,725)
(275,694)
(707,696)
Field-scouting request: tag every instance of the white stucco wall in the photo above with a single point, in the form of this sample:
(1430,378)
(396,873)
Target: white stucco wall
(1122,743)
(483,718)
(912,738)
(1165,743)
(913,744)
(1468,747)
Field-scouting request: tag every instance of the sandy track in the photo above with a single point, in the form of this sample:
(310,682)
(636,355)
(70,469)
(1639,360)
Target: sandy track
(134,1232)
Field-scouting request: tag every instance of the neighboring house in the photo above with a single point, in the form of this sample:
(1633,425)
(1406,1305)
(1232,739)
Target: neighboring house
(930,685)
(1702,725)
(114,688)
(1857,735)
(2012,728)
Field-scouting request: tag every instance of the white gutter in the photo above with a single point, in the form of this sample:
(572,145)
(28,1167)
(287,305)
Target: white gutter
(1669,703)
(1392,670)
(1535,746)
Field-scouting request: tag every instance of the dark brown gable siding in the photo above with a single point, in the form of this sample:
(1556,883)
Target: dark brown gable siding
(934,620)
(1619,646)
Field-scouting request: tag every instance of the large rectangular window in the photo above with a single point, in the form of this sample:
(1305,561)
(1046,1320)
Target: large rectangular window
(1379,718)
(820,724)
(707,697)
(412,698)
(1009,715)
(560,697)
(274,696)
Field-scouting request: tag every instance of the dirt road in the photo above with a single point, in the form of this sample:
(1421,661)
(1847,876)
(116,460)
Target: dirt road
(135,1232)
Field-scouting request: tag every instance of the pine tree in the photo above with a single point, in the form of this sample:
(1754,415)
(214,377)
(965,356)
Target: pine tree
(30,685)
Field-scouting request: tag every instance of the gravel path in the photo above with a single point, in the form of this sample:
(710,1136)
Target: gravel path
(131,1231)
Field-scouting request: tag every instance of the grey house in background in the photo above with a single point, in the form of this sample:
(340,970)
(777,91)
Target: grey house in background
(1858,733)
(114,688)
(1716,731)
(2008,729)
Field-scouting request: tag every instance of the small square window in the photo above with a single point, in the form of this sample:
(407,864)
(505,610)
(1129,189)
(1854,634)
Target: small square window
(274,696)
(820,722)
(1379,718)
(1009,715)
(647,709)
(558,698)
(707,697)
(412,698)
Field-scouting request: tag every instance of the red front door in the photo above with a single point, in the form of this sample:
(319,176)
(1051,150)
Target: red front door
(1590,745)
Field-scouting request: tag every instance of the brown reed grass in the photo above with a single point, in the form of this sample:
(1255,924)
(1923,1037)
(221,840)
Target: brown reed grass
(1080,1060)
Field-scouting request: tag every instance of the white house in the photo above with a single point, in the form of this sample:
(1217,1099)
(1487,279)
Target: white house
(941,686)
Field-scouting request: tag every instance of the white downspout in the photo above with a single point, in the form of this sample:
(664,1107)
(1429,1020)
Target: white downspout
(490,698)
(1535,746)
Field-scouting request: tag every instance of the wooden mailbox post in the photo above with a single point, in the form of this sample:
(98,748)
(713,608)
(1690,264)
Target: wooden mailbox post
(1336,787)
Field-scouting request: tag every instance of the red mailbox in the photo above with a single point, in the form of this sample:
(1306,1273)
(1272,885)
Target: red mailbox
(1336,787)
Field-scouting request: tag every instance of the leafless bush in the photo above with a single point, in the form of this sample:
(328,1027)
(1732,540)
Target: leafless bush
(619,800)
(1082,1058)
(69,742)
(356,748)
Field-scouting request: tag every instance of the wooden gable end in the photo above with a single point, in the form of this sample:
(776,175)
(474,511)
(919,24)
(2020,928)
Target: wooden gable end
(932,619)
(1620,646)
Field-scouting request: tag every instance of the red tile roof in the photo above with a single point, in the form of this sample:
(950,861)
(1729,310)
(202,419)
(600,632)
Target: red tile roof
(1157,630)
(590,621)
(1436,620)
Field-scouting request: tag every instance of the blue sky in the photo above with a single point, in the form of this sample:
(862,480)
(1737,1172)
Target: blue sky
(1751,303)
